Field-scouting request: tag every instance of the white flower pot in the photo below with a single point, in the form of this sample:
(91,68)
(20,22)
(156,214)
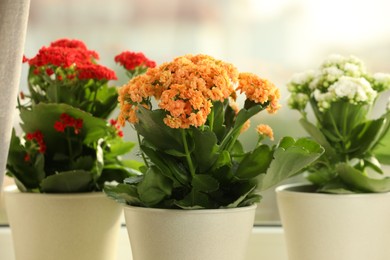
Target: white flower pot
(334,227)
(167,234)
(63,226)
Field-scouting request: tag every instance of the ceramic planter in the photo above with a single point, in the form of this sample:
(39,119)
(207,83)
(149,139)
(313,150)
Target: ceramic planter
(334,227)
(63,226)
(167,234)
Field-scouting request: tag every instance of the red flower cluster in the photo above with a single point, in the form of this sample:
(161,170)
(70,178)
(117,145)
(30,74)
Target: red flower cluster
(66,43)
(94,71)
(68,121)
(66,53)
(117,126)
(132,60)
(38,137)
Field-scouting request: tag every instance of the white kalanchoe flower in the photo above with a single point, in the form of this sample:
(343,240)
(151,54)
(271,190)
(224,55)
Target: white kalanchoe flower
(299,80)
(381,81)
(333,59)
(323,99)
(298,101)
(352,70)
(355,90)
(332,73)
(303,77)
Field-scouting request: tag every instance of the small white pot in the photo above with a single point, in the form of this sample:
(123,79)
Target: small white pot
(74,226)
(169,234)
(334,227)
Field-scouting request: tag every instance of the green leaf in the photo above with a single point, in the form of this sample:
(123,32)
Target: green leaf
(365,136)
(248,189)
(167,164)
(373,163)
(254,163)
(355,178)
(28,174)
(205,183)
(154,188)
(43,117)
(247,112)
(344,116)
(153,129)
(318,136)
(223,160)
(123,193)
(206,148)
(290,161)
(194,200)
(117,147)
(67,182)
(381,148)
(106,101)
(218,115)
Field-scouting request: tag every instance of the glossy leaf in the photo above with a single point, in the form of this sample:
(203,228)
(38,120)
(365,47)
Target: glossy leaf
(254,163)
(366,136)
(123,193)
(205,183)
(318,136)
(355,178)
(194,200)
(67,182)
(289,161)
(153,129)
(154,187)
(206,148)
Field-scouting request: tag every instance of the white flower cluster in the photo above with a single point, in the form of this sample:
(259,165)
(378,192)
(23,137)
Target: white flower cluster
(338,78)
(381,81)
(355,90)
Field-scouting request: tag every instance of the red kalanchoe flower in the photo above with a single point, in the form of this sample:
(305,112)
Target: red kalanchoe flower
(59,126)
(131,60)
(49,71)
(25,59)
(62,57)
(95,71)
(68,121)
(67,43)
(117,126)
(27,157)
(38,137)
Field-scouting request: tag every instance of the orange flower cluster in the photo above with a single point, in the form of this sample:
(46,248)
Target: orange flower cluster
(259,90)
(265,130)
(187,87)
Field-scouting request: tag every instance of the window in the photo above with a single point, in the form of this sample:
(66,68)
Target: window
(271,38)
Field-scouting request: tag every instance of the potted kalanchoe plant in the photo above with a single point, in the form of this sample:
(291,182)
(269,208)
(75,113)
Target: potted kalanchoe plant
(188,123)
(341,94)
(69,147)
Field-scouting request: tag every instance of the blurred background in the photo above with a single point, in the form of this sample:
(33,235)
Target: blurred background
(272,38)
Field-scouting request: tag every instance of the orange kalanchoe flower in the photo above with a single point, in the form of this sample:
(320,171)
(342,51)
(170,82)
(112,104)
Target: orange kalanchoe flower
(265,130)
(187,87)
(259,90)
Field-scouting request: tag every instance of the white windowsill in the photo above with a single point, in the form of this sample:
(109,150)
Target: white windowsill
(265,243)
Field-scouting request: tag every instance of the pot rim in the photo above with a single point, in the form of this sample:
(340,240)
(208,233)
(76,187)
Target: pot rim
(293,188)
(12,190)
(193,211)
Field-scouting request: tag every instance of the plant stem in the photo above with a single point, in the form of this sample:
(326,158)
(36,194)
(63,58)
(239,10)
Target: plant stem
(211,119)
(70,150)
(188,155)
(142,153)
